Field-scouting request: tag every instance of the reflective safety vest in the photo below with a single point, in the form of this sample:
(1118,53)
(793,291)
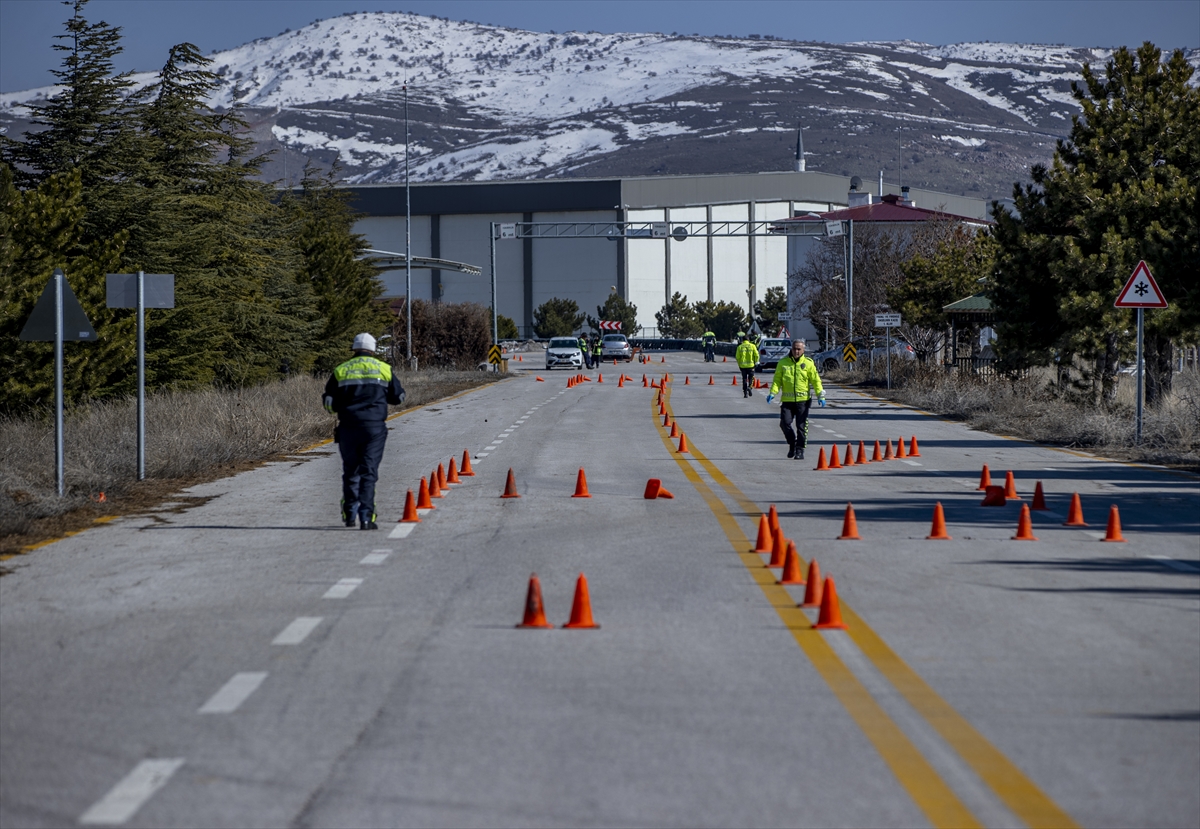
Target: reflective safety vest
(796,380)
(747,355)
(360,390)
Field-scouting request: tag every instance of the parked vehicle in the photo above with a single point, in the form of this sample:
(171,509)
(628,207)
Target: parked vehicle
(770,351)
(831,359)
(615,346)
(900,351)
(564,351)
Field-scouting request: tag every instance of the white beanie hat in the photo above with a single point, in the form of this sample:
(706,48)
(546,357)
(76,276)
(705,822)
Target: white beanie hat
(364,342)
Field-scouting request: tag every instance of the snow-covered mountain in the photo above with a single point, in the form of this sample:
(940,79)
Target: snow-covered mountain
(494,103)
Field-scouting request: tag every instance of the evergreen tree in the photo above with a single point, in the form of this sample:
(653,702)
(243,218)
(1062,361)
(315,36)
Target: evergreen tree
(768,309)
(678,318)
(616,308)
(557,318)
(1121,188)
(723,318)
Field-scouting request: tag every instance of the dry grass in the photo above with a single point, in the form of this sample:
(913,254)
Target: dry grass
(190,436)
(1031,409)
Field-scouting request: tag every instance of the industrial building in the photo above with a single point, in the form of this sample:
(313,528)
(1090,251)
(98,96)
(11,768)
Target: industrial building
(452,221)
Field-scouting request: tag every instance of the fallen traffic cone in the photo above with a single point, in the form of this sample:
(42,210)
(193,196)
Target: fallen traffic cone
(464,468)
(435,489)
(862,453)
(830,617)
(535,613)
(683,447)
(849,456)
(1024,526)
(778,548)
(687,380)
(710,379)
(1113,531)
(849,526)
(663,492)
(1075,513)
(581,608)
(1010,487)
(888,456)
(539,379)
(938,531)
(423,501)
(985,479)
(913,451)
(452,474)
(441,473)
(510,486)
(878,456)
(791,566)
(812,593)
(994,497)
(1039,498)
(581,490)
(654,385)
(900,451)
(834,463)
(674,429)
(772,519)
(763,544)
(822,465)
(410,510)
(653,486)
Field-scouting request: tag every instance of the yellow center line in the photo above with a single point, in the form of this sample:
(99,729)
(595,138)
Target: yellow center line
(1020,794)
(922,782)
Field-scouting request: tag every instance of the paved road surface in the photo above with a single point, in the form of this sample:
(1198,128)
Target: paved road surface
(237,658)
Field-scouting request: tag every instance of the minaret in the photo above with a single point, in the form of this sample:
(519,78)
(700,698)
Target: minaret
(799,150)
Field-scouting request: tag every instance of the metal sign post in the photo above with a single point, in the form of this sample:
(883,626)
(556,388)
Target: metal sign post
(887,322)
(1140,292)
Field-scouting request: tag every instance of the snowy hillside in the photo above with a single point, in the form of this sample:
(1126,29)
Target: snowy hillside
(489,103)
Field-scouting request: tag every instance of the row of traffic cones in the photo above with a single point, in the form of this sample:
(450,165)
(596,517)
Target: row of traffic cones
(937,531)
(997,496)
(784,555)
(879,455)
(654,487)
(581,608)
(438,484)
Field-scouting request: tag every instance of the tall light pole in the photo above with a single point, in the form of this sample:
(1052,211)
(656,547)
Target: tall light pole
(407,241)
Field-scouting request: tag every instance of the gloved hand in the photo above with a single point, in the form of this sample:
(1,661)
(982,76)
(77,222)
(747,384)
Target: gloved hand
(821,401)
(770,397)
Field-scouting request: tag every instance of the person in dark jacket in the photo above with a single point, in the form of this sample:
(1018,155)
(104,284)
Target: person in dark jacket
(359,392)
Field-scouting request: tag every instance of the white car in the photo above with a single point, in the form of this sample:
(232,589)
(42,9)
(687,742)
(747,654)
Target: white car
(564,351)
(771,350)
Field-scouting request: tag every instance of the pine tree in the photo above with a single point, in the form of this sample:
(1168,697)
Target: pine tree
(556,318)
(678,318)
(616,308)
(768,309)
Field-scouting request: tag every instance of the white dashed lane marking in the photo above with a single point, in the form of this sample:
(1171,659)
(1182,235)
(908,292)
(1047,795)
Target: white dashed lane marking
(343,588)
(297,631)
(378,557)
(233,693)
(124,799)
(399,531)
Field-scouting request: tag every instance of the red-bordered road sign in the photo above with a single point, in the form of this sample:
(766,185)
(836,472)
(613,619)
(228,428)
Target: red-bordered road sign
(1141,291)
(610,325)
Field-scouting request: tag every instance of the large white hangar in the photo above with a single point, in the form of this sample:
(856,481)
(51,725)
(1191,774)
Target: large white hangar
(452,221)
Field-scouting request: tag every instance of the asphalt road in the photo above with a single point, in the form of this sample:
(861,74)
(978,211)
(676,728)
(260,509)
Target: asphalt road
(238,658)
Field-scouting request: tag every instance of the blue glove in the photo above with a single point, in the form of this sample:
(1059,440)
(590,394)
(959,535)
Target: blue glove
(821,401)
(770,397)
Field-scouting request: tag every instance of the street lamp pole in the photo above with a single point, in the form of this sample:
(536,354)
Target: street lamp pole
(407,242)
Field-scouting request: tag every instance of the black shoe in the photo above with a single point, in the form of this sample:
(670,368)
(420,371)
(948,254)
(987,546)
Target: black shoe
(348,514)
(791,451)
(367,525)
(799,454)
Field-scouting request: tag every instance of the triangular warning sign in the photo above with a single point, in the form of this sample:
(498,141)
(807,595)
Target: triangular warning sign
(783,332)
(41,323)
(1141,291)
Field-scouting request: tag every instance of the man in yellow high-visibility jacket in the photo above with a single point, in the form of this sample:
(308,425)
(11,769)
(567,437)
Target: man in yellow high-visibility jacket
(747,358)
(797,382)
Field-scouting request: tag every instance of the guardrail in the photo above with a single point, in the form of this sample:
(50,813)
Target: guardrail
(678,344)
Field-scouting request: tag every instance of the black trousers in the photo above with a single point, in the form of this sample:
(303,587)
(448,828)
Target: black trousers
(747,381)
(361,448)
(795,412)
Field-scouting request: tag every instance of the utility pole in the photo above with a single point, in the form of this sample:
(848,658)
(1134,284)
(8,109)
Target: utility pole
(407,241)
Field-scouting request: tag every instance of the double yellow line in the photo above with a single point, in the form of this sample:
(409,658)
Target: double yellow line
(924,785)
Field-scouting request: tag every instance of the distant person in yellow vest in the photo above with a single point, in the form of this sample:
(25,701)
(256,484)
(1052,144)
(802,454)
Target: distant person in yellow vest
(797,382)
(359,392)
(747,358)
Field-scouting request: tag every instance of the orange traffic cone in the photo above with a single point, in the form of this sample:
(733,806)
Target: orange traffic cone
(830,617)
(791,566)
(1024,526)
(539,379)
(666,378)
(452,474)
(614,361)
(683,447)
(900,451)
(674,429)
(599,377)
(581,490)
(888,456)
(666,419)
(1010,487)
(710,379)
(778,548)
(535,613)
(1075,513)
(938,531)
(877,457)
(621,382)
(510,486)
(822,465)
(1113,531)
(645,383)
(772,518)
(410,510)
(662,359)
(663,492)
(862,453)
(913,451)
(734,383)
(834,463)
(653,487)
(520,359)
(849,455)
(1039,498)
(581,608)
(763,544)
(687,380)
(570,382)
(812,593)
(724,359)
(423,501)
(441,473)
(435,489)
(994,497)
(985,479)
(464,468)
(849,526)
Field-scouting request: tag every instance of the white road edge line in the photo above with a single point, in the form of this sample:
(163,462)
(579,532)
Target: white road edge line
(399,531)
(911,463)
(233,693)
(376,558)
(342,589)
(297,631)
(124,799)
(1174,564)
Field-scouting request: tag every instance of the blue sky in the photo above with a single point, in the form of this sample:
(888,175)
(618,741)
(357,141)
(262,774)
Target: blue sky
(151,27)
